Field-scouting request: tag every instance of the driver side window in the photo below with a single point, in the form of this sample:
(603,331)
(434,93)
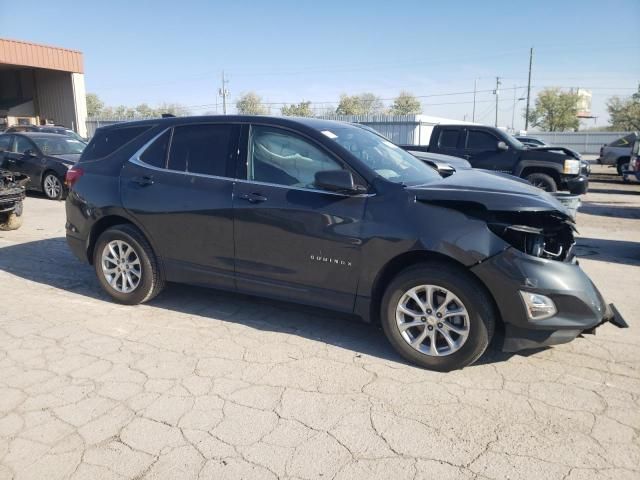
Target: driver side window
(481,141)
(281,157)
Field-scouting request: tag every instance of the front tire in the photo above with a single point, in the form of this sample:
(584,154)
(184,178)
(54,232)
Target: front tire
(543,181)
(438,316)
(126,266)
(53,186)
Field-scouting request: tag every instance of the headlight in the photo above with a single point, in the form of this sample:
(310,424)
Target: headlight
(571,167)
(538,306)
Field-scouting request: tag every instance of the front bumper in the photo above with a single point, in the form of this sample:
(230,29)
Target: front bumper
(580,305)
(576,185)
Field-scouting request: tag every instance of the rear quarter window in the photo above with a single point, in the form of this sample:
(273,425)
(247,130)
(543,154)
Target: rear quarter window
(108,141)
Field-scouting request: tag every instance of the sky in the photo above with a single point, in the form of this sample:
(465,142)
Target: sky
(289,51)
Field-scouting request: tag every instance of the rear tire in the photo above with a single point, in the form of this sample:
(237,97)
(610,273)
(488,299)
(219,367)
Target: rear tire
(543,181)
(622,166)
(10,221)
(467,295)
(126,266)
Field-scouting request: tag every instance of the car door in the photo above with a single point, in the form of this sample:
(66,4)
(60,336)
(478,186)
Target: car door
(178,187)
(449,141)
(26,158)
(6,141)
(481,150)
(294,240)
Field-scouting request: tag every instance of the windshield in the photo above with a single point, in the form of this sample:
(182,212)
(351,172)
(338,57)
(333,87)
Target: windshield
(59,146)
(383,157)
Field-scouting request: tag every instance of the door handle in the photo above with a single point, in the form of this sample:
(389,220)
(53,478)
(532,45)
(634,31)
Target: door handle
(253,197)
(143,181)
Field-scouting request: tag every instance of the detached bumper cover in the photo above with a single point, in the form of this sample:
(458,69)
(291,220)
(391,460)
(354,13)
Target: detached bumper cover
(581,308)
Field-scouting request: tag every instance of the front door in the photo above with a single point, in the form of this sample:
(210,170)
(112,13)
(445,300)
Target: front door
(179,190)
(294,240)
(481,150)
(25,158)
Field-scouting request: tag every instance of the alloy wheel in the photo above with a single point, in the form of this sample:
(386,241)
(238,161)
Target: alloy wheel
(121,266)
(432,320)
(52,186)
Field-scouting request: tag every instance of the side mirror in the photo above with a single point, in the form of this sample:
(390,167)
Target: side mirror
(30,153)
(335,181)
(502,146)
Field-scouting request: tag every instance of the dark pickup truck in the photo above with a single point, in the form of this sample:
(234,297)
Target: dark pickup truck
(550,168)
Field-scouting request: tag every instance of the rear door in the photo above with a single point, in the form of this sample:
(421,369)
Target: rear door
(178,187)
(294,240)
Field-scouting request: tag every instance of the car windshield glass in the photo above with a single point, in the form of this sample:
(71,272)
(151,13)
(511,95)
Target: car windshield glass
(383,157)
(75,136)
(59,146)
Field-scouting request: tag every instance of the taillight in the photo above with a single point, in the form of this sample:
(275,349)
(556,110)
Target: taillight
(634,165)
(72,176)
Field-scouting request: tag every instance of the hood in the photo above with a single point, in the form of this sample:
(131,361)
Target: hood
(67,158)
(477,188)
(566,151)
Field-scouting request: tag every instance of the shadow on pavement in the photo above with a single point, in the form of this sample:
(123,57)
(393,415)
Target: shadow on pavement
(51,263)
(614,251)
(609,209)
(615,191)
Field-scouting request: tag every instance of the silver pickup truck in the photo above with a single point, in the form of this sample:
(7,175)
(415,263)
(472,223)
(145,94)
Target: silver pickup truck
(618,152)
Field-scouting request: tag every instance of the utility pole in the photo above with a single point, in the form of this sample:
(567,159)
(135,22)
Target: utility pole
(224,93)
(526,119)
(513,111)
(497,94)
(475,88)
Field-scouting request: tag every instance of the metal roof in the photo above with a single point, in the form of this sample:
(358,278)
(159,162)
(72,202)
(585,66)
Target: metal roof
(25,54)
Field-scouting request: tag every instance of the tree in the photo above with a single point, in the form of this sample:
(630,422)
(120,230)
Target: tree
(405,104)
(144,110)
(363,104)
(555,111)
(624,114)
(302,109)
(250,104)
(94,105)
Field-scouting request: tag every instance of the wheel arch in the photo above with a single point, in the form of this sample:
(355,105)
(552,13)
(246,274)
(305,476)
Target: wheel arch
(552,172)
(106,222)
(407,259)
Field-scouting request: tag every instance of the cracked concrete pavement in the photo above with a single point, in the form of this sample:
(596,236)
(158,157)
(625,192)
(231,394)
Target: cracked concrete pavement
(211,385)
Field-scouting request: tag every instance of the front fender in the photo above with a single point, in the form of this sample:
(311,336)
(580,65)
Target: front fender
(542,164)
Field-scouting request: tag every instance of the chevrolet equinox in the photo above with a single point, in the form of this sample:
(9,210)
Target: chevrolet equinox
(331,214)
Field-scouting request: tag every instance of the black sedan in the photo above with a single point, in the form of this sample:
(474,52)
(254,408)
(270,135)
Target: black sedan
(44,157)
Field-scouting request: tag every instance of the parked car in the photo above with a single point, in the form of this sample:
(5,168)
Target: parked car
(60,130)
(11,198)
(618,152)
(43,157)
(549,168)
(634,162)
(445,164)
(530,141)
(328,214)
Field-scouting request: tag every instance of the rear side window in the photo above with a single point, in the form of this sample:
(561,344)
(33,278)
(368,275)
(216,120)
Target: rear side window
(108,141)
(156,154)
(202,149)
(482,141)
(448,138)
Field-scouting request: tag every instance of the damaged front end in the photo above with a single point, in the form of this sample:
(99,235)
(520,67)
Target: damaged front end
(12,193)
(542,294)
(546,235)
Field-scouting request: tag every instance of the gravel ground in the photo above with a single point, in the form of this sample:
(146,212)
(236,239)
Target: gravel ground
(204,384)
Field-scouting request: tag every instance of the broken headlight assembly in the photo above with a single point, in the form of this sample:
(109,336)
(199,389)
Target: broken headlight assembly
(539,234)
